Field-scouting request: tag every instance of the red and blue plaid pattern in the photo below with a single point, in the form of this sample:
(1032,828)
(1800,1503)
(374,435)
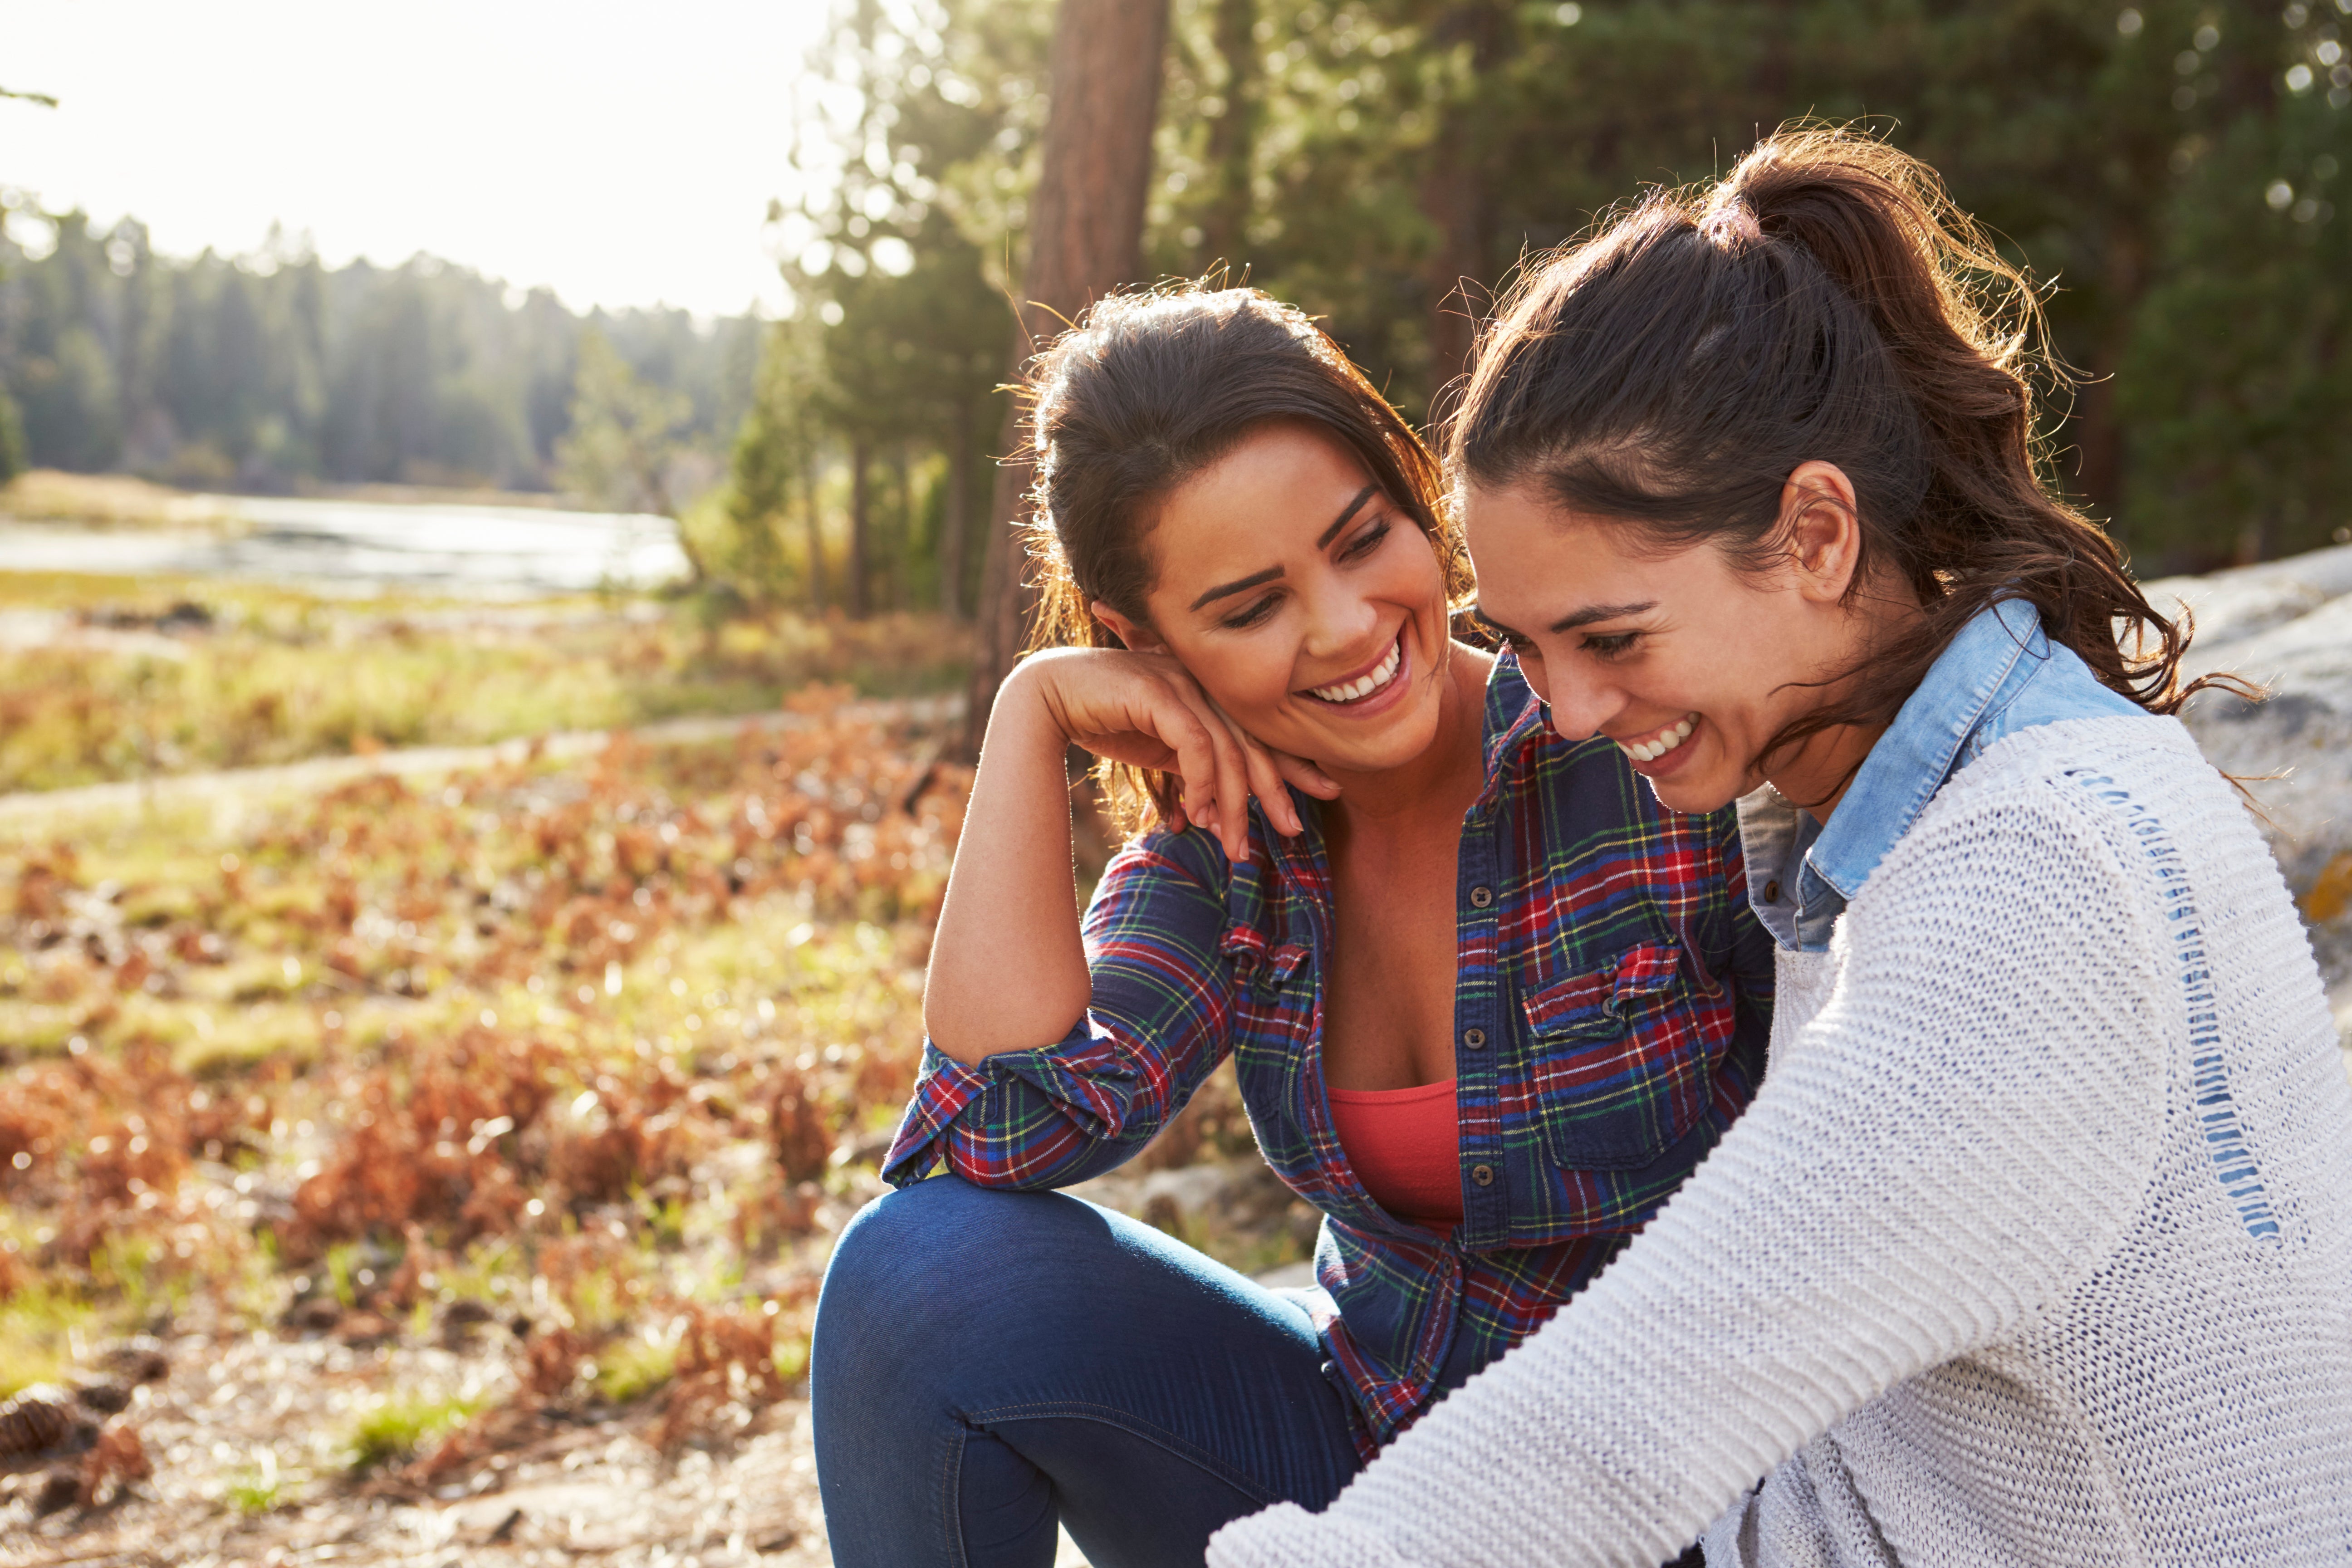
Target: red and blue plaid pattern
(1609,1024)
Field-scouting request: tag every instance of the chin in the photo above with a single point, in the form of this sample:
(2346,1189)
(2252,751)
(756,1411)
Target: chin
(1394,744)
(1695,796)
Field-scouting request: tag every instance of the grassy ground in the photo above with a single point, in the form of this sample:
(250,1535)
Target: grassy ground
(613,1022)
(107,677)
(430,1127)
(430,1137)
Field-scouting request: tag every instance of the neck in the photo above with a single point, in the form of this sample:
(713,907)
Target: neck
(1817,775)
(1444,779)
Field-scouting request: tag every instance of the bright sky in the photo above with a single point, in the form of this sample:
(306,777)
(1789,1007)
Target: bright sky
(624,154)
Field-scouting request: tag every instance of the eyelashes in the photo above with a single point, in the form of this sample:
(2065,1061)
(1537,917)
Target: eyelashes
(1362,545)
(1251,616)
(1616,645)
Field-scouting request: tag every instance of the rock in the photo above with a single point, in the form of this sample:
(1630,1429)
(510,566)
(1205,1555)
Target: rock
(1299,1276)
(2288,627)
(36,1419)
(459,1320)
(318,1316)
(2230,606)
(362,1329)
(105,1398)
(60,1488)
(138,1360)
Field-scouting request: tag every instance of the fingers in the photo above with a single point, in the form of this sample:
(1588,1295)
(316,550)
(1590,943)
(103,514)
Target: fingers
(1232,779)
(1145,710)
(1298,770)
(1265,780)
(1195,765)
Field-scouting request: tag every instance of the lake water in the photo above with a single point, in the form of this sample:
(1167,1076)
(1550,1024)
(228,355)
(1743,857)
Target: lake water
(372,547)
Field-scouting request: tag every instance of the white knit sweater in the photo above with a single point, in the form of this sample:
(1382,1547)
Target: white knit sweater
(2033,1247)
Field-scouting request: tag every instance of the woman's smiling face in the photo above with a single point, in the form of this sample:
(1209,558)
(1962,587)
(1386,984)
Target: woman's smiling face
(1308,605)
(1689,664)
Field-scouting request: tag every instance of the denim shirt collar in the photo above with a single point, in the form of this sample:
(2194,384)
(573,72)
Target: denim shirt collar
(1999,675)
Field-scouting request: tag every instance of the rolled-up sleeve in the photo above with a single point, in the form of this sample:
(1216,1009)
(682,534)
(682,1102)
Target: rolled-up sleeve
(1158,1021)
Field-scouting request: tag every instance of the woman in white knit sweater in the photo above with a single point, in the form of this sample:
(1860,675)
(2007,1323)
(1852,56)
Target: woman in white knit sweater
(2033,1247)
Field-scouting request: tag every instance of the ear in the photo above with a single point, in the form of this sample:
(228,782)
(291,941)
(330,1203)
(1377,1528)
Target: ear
(1824,528)
(1139,638)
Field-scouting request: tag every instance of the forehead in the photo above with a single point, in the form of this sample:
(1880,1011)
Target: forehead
(1537,562)
(1263,504)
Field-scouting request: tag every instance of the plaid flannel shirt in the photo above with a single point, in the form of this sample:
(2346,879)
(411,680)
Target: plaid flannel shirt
(1610,1023)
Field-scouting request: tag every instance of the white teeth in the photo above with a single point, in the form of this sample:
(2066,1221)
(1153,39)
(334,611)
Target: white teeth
(1365,685)
(1665,741)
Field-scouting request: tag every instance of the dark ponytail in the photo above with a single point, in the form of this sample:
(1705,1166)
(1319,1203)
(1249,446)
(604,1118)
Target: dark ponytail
(1147,390)
(1825,300)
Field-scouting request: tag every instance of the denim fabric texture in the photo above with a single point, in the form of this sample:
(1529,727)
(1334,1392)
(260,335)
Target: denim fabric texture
(2000,674)
(1609,1022)
(986,1363)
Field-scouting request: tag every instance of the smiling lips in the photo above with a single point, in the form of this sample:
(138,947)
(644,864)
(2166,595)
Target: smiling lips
(1373,679)
(1651,747)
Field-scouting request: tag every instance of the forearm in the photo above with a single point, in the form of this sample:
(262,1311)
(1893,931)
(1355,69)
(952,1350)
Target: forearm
(1008,968)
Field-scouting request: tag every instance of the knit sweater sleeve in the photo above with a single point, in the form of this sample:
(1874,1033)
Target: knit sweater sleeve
(1937,1160)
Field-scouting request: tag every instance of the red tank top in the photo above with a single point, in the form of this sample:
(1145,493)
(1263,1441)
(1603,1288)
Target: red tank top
(1405,1146)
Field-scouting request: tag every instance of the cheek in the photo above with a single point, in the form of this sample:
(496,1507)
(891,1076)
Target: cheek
(1250,678)
(1409,575)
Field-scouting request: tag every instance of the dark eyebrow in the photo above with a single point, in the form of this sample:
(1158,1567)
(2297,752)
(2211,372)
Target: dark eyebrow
(1237,584)
(1341,521)
(1591,613)
(1478,614)
(1271,572)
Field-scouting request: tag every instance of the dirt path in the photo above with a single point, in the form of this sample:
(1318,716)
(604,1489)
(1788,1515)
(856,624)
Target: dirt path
(35,809)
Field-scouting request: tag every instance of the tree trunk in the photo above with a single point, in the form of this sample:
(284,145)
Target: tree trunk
(1085,239)
(861,507)
(1458,199)
(1231,137)
(812,521)
(955,520)
(899,558)
(2100,460)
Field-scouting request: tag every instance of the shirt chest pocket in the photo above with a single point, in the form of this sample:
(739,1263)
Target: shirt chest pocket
(1623,1057)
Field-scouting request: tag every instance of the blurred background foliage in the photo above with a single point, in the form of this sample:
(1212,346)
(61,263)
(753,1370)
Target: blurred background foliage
(2168,169)
(267,371)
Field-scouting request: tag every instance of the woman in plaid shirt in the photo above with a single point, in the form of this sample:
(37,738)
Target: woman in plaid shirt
(1488,1003)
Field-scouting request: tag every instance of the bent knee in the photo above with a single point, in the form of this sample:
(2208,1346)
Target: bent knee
(937,1264)
(935,1239)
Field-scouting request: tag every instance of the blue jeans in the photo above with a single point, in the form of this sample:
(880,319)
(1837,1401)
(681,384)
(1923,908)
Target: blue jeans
(988,1364)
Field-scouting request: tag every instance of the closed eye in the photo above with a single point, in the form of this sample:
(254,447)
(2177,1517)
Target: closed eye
(1612,645)
(1364,543)
(1251,614)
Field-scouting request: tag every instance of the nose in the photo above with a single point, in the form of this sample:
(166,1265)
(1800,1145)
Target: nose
(1341,621)
(1579,707)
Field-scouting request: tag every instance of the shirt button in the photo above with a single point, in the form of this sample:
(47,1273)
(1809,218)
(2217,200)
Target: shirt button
(1483,1175)
(1473,1038)
(1772,892)
(1481,897)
